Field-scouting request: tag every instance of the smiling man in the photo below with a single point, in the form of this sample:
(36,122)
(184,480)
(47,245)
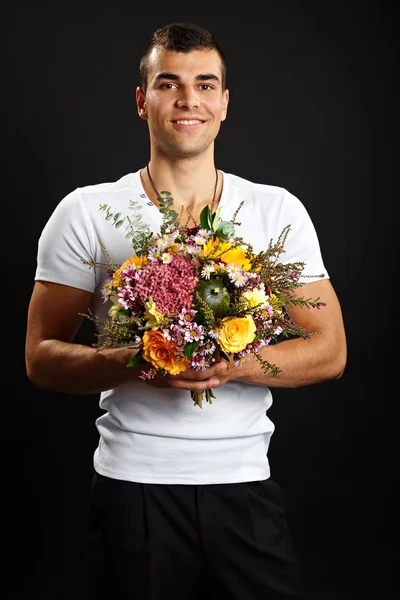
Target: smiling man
(183,98)
(182,503)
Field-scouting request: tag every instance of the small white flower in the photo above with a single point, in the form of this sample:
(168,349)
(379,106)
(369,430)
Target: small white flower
(233,269)
(240,280)
(200,240)
(154,254)
(207,270)
(166,258)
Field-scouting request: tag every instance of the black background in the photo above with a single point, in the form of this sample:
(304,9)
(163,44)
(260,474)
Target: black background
(313,109)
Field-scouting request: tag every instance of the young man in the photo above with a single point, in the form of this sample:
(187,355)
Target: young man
(182,501)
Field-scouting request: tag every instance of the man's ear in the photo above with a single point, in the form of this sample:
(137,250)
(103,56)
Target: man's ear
(226,102)
(141,103)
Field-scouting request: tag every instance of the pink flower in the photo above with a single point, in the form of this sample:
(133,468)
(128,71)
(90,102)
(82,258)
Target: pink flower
(170,286)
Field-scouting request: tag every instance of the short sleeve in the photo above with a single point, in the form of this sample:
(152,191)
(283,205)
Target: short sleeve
(302,243)
(65,240)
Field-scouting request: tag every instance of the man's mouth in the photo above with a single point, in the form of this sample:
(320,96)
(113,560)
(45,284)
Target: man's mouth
(188,121)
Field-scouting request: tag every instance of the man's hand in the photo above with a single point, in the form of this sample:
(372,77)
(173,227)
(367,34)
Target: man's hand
(195,381)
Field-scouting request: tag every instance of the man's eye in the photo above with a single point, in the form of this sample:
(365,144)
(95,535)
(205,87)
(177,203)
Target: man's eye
(167,86)
(206,86)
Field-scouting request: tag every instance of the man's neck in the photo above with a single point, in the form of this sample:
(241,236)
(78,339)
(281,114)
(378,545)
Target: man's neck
(192,183)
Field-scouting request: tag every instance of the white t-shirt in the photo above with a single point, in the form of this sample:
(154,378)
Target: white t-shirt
(156,435)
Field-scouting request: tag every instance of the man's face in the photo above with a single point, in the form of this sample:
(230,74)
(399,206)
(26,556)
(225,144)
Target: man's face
(184,103)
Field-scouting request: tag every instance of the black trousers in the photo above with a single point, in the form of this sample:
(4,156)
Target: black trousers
(186,542)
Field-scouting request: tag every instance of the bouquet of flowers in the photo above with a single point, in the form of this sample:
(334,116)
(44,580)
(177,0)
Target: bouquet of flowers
(188,295)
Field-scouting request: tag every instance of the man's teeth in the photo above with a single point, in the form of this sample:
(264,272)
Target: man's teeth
(184,122)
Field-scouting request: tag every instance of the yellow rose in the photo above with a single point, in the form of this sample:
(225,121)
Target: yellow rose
(161,353)
(235,334)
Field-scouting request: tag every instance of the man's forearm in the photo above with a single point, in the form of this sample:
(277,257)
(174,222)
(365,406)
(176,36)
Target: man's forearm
(78,369)
(301,362)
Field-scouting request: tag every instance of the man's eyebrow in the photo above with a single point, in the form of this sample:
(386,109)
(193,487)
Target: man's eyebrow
(207,77)
(200,77)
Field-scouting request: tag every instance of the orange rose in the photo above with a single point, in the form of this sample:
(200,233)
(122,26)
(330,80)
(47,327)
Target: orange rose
(161,353)
(235,334)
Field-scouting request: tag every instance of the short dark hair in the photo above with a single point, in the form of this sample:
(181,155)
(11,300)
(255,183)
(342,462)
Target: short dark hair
(180,37)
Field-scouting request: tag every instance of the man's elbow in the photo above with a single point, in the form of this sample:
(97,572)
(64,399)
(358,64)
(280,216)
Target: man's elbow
(339,364)
(34,377)
(339,374)
(36,371)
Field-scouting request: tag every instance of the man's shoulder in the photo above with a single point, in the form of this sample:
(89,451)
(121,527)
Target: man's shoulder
(124,183)
(247,186)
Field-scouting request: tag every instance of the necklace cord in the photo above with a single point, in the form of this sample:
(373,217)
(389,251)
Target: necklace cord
(158,195)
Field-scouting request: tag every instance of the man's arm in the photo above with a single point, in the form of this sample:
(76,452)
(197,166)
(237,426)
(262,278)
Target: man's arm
(55,362)
(304,361)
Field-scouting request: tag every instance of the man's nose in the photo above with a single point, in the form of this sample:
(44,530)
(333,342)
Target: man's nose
(189,99)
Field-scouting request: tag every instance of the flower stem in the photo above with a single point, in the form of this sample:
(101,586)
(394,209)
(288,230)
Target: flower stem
(197,397)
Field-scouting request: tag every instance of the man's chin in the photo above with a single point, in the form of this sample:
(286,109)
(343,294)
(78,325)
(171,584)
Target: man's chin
(188,150)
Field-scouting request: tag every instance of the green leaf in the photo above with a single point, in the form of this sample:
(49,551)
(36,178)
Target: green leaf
(137,360)
(165,193)
(215,220)
(190,348)
(223,355)
(205,218)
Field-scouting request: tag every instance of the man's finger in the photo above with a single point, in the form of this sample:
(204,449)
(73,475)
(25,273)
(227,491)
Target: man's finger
(195,386)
